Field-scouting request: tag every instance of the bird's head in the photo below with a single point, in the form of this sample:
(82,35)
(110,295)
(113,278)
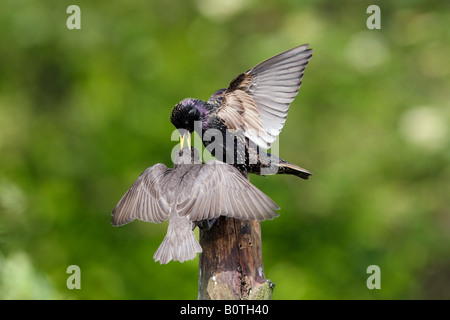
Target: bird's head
(188,114)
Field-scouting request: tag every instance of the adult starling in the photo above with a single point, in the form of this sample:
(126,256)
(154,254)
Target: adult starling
(249,114)
(187,194)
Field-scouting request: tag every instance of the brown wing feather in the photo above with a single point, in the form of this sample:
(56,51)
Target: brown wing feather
(241,112)
(143,200)
(220,189)
(258,100)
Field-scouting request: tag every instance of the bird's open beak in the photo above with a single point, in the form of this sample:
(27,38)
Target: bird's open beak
(186,135)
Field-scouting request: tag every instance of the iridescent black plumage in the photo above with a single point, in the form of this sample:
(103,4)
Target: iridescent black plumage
(235,123)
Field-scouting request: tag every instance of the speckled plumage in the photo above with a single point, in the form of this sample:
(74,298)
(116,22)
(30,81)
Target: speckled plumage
(249,114)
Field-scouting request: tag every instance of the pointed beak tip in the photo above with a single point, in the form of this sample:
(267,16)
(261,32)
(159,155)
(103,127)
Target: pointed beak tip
(185,136)
(181,141)
(189,139)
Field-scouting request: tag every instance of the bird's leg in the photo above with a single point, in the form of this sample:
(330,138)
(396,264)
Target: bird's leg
(205,224)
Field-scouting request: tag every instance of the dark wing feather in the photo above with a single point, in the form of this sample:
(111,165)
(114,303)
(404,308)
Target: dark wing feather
(217,97)
(221,190)
(258,100)
(143,200)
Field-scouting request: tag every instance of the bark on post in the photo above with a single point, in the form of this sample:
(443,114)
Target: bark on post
(231,265)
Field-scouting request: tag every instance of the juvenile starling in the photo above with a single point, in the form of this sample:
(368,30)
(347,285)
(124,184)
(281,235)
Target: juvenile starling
(249,114)
(187,194)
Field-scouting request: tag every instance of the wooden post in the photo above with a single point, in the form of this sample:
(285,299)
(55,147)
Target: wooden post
(231,265)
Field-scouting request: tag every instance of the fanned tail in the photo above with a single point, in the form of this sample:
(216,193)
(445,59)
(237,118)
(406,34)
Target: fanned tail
(180,243)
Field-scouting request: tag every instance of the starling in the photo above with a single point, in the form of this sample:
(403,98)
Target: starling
(235,123)
(189,193)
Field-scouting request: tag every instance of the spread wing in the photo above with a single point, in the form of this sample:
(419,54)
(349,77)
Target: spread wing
(221,190)
(258,100)
(143,200)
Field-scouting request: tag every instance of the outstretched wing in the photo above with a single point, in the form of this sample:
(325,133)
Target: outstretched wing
(221,190)
(258,100)
(143,200)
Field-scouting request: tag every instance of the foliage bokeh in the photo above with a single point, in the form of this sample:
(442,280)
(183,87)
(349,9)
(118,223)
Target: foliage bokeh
(84,112)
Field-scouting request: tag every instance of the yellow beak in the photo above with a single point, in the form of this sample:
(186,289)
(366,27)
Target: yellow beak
(187,136)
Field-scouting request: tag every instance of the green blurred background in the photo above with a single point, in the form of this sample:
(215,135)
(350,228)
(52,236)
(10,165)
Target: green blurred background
(84,112)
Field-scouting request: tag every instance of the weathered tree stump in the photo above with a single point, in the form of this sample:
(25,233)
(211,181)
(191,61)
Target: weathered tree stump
(231,264)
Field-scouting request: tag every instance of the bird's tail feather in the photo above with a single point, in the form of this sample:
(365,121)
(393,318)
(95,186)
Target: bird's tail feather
(289,168)
(271,164)
(179,244)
